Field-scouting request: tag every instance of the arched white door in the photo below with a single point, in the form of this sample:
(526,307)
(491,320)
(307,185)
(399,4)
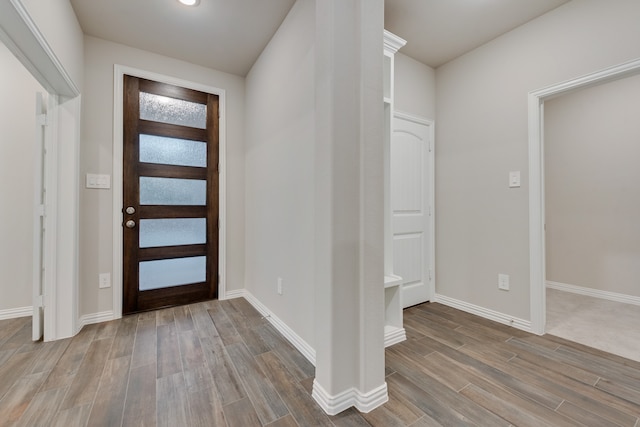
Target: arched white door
(411,204)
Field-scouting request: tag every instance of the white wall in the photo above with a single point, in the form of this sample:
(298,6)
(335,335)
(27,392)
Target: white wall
(96,211)
(17,166)
(414,87)
(481,132)
(280,136)
(592,147)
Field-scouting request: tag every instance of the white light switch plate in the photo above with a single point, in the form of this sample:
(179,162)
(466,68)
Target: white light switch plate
(503,282)
(514,179)
(98,181)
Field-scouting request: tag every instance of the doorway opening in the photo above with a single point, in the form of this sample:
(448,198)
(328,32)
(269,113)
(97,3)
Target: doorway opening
(592,203)
(22,182)
(537,221)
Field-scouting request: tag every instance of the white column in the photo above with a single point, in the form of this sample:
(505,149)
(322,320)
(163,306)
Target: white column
(349,309)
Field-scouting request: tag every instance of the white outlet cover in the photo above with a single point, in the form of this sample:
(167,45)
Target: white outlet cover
(104,280)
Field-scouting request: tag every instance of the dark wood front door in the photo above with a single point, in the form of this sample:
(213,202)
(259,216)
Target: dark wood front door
(170,195)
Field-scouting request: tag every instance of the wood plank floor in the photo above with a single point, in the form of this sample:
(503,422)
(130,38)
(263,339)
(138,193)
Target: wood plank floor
(219,363)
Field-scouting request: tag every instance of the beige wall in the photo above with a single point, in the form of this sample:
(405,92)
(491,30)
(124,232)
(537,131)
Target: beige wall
(414,87)
(592,148)
(17,165)
(96,210)
(481,133)
(280,100)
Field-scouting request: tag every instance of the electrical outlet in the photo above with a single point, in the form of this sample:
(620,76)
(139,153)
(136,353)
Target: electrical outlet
(279,289)
(503,282)
(104,280)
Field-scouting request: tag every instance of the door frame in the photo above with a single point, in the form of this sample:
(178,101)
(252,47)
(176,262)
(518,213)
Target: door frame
(119,72)
(537,250)
(432,194)
(23,38)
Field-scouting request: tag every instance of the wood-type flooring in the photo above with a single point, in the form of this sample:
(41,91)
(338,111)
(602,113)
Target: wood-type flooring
(219,363)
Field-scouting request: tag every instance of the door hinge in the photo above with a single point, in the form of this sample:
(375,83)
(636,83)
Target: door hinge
(429,210)
(430,275)
(42,119)
(39,301)
(430,147)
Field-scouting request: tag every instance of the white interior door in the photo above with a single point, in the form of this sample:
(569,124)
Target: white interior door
(38,219)
(411,204)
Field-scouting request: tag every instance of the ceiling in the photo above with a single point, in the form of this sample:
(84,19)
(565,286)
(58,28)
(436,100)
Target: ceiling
(228,35)
(438,31)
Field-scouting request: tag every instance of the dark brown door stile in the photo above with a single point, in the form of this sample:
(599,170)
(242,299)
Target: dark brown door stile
(135,298)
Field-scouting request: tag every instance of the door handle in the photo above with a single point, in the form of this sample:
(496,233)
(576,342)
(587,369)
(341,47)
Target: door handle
(130,210)
(130,224)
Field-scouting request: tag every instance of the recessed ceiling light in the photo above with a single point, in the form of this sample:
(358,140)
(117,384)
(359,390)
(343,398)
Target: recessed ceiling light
(190,2)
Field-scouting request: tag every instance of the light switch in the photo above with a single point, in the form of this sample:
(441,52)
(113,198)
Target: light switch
(503,282)
(514,179)
(98,181)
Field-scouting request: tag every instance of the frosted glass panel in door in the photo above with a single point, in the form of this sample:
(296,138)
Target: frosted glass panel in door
(173,111)
(172,272)
(172,191)
(172,232)
(172,151)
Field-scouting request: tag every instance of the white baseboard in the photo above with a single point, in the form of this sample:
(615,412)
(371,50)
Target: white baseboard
(363,402)
(496,316)
(393,335)
(13,313)
(301,345)
(595,293)
(88,319)
(232,294)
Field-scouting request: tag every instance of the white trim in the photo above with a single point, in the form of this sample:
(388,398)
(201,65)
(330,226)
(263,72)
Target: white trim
(88,319)
(393,335)
(364,402)
(12,313)
(300,344)
(392,43)
(119,72)
(50,253)
(486,313)
(595,293)
(536,177)
(239,293)
(367,402)
(412,118)
(22,36)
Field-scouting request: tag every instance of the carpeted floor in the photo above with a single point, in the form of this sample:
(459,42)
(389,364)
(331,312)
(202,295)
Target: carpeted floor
(605,325)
